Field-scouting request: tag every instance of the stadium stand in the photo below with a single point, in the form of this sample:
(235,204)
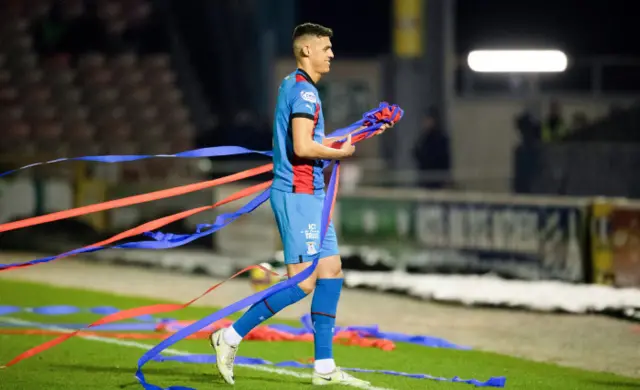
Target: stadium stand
(601,158)
(87,97)
(621,125)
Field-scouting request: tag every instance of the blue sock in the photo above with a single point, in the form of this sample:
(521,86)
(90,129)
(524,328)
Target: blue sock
(323,315)
(267,308)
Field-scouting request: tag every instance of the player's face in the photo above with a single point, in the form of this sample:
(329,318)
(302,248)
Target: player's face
(321,55)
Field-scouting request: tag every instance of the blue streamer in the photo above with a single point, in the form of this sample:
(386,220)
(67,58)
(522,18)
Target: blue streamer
(217,151)
(252,299)
(168,240)
(245,302)
(241,360)
(368,119)
(104,310)
(124,326)
(374,331)
(8,309)
(54,310)
(150,323)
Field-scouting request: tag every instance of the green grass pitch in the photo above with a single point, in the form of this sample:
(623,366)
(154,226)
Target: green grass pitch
(89,364)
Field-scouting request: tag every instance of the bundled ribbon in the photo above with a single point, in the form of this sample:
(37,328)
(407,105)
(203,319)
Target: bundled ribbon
(367,127)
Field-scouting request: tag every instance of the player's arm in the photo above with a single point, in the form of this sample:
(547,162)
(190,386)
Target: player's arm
(303,102)
(305,147)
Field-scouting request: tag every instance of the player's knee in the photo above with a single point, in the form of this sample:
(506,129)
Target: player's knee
(335,273)
(330,268)
(308,285)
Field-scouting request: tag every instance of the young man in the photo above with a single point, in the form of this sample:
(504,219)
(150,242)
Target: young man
(297,196)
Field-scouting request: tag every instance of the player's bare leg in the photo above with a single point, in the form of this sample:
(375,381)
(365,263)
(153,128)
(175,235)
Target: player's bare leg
(307,285)
(225,342)
(323,314)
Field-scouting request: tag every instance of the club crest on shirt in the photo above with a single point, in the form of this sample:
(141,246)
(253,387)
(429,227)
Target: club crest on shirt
(311,248)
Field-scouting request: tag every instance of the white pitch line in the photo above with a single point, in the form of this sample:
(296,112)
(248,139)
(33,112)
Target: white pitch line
(170,351)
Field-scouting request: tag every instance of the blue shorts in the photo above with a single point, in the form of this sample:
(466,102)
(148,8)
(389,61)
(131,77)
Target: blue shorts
(299,217)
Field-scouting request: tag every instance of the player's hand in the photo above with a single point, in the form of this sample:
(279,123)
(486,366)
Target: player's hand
(347,147)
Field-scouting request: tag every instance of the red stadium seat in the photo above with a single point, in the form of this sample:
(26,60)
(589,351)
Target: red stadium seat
(96,103)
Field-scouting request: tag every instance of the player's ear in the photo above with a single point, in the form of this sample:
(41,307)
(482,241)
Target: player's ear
(306,51)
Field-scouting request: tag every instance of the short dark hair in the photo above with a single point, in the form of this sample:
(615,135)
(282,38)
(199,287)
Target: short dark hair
(311,29)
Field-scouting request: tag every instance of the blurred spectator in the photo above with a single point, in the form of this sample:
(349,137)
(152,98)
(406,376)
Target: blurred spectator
(432,152)
(525,153)
(528,126)
(554,128)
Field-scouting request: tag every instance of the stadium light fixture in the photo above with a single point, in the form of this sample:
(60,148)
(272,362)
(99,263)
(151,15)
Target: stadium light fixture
(517,61)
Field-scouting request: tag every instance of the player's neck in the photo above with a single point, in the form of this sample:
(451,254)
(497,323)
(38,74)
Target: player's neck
(315,76)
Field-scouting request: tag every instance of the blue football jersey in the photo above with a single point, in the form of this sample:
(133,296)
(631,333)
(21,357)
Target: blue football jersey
(297,97)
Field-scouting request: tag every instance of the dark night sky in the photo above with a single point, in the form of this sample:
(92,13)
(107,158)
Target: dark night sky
(578,27)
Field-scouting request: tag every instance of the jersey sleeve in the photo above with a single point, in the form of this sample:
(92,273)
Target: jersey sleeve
(303,102)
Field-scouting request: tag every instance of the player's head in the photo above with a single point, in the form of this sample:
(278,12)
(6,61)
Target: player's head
(312,47)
